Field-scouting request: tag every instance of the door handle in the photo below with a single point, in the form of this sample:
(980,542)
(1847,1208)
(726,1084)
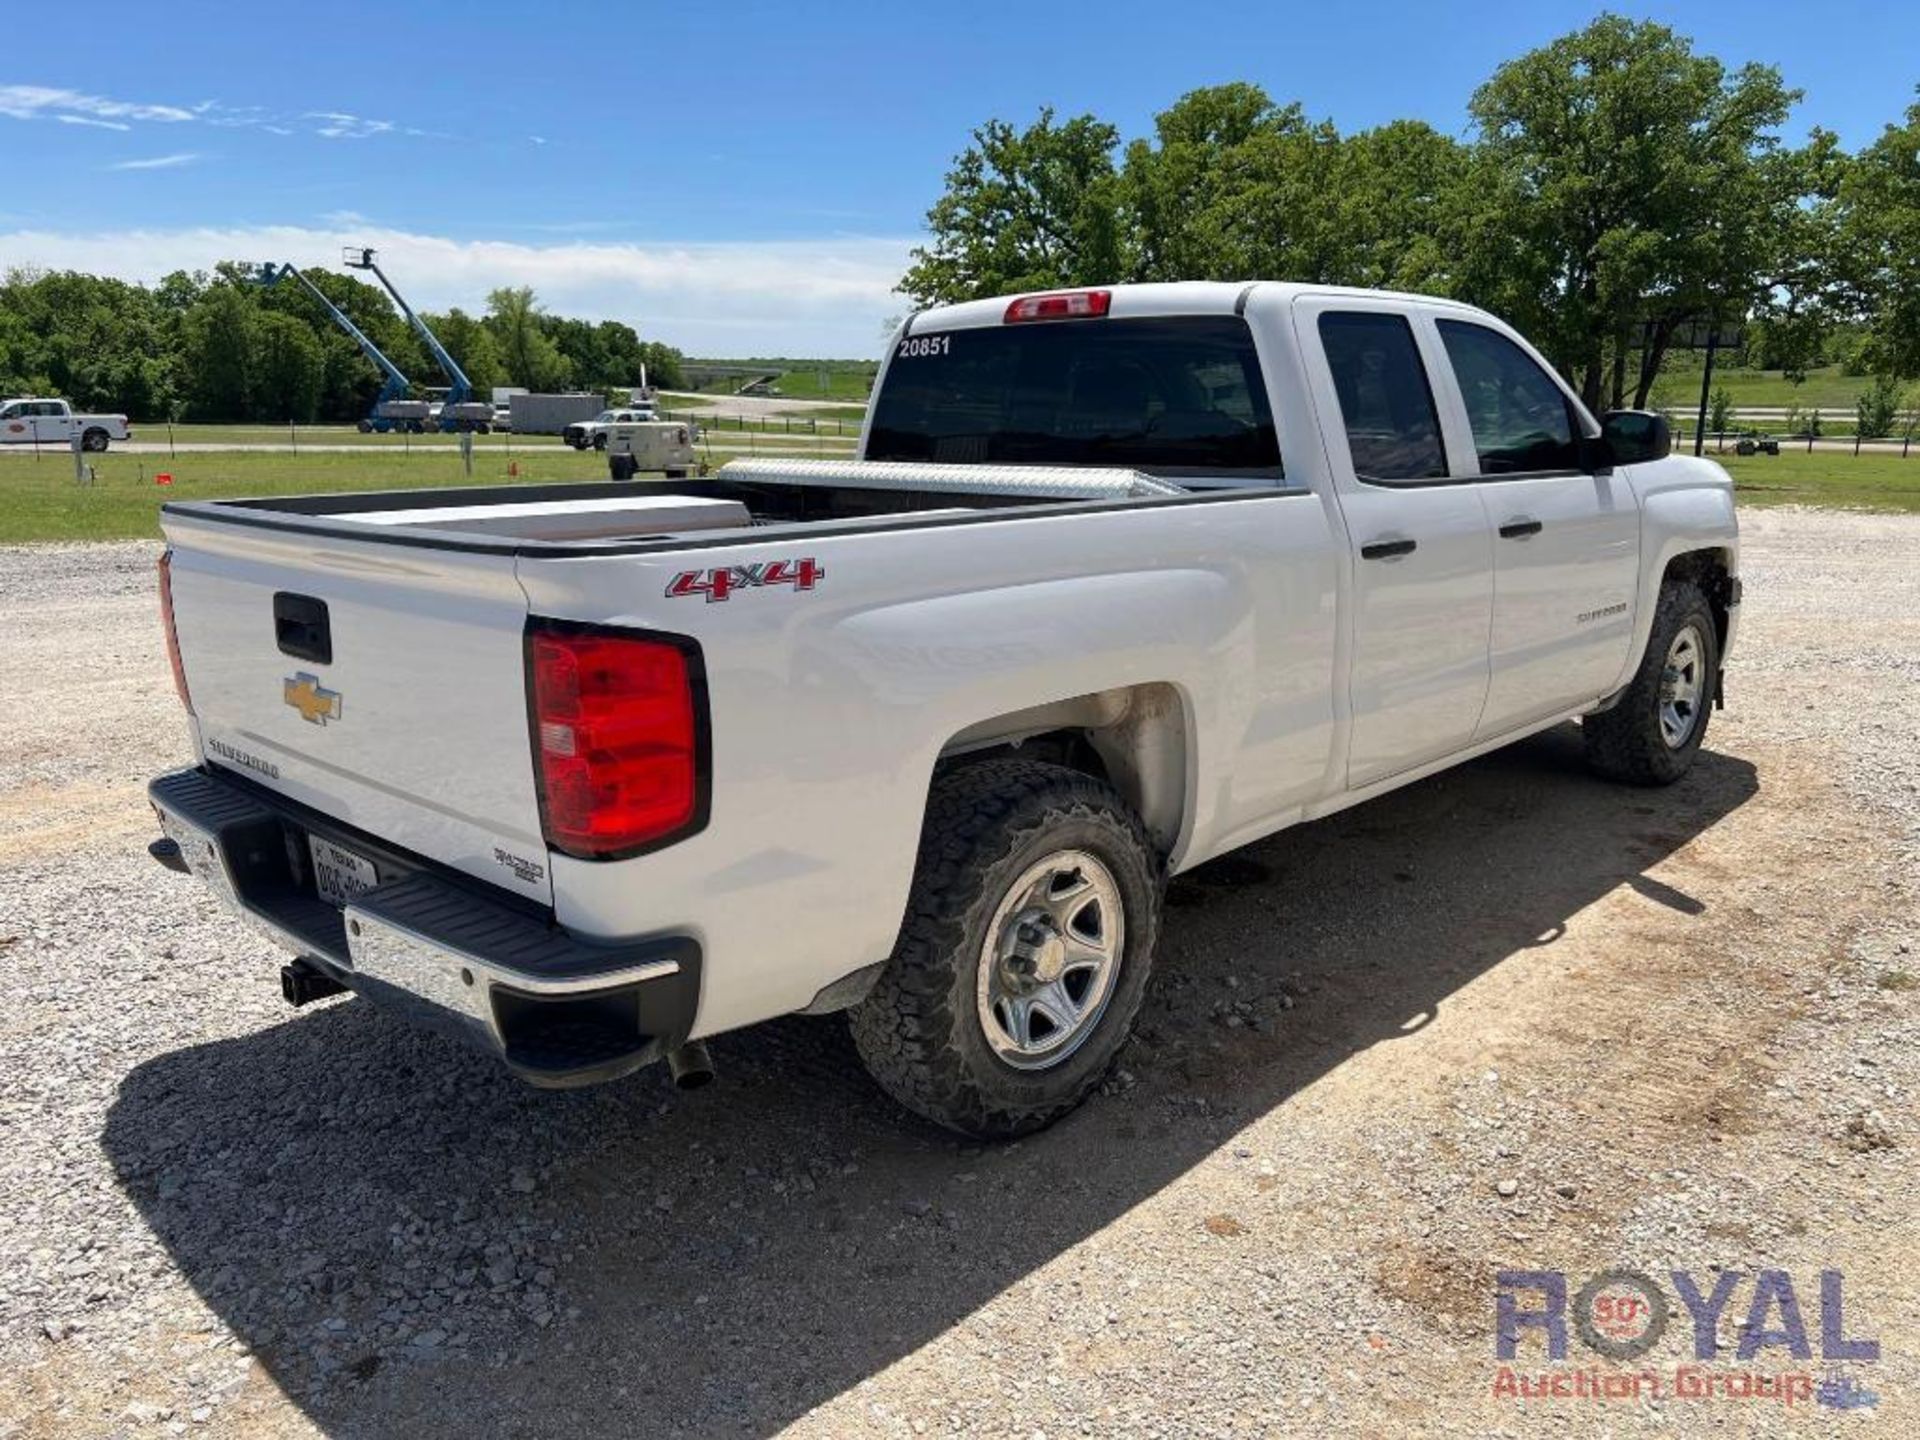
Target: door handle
(1520,529)
(1388,549)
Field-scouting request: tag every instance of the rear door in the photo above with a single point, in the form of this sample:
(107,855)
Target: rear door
(1422,558)
(52,423)
(383,685)
(1566,533)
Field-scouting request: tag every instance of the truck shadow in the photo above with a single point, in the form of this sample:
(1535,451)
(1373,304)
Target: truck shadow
(630,1260)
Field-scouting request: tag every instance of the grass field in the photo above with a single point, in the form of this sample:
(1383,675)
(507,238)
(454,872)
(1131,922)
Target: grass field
(807,379)
(1825,388)
(1839,481)
(41,502)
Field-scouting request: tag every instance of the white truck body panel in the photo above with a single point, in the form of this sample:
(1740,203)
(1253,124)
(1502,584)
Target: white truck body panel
(1264,666)
(427,663)
(31,420)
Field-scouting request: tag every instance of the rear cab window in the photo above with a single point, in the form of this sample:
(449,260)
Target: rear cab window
(1386,404)
(1175,396)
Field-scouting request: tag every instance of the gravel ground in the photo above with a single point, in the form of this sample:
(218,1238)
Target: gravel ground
(1508,1018)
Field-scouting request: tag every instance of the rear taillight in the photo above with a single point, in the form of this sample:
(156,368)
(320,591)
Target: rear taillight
(1062,305)
(173,635)
(619,737)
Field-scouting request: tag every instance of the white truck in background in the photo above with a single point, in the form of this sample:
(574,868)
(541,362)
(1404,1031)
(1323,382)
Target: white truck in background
(595,432)
(1124,579)
(32,420)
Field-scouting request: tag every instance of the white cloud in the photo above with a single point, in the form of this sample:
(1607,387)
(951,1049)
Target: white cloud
(36,102)
(73,107)
(159,162)
(784,297)
(337,125)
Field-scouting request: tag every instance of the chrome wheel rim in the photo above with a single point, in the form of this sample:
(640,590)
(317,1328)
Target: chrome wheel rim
(1683,686)
(1050,959)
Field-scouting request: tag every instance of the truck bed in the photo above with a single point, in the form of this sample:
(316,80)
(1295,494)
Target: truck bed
(742,503)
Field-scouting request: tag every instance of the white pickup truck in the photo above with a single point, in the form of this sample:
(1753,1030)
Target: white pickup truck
(583,433)
(28,421)
(1124,579)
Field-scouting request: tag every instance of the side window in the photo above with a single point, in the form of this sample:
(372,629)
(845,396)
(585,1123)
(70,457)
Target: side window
(1521,419)
(1393,430)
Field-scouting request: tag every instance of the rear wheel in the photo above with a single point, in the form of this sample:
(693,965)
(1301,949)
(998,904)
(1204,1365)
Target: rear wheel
(94,440)
(1652,734)
(1025,951)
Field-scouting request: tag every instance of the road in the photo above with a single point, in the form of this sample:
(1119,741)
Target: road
(1508,1018)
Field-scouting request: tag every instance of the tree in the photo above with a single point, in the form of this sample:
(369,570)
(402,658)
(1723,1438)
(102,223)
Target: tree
(288,369)
(218,343)
(1879,237)
(1720,411)
(530,357)
(1626,180)
(472,346)
(1023,210)
(1877,410)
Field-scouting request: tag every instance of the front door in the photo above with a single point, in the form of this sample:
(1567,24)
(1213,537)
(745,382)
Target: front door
(1566,547)
(1422,562)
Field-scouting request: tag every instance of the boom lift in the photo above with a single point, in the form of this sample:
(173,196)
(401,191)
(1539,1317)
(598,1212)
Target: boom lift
(460,411)
(392,410)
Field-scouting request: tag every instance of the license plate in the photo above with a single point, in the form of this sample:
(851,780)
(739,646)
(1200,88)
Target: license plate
(339,874)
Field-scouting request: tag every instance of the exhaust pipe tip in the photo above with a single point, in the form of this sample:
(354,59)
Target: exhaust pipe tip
(690,1065)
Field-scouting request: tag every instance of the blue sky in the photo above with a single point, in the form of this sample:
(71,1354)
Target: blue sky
(731,178)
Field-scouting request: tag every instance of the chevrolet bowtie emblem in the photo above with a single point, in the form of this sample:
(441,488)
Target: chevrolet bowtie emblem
(314,701)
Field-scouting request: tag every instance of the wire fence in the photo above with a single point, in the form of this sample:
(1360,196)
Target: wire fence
(767,424)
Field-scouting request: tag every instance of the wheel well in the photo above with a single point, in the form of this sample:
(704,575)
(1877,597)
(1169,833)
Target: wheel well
(1134,738)
(1709,570)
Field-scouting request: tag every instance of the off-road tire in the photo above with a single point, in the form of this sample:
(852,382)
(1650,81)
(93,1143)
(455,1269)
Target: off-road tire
(1625,743)
(919,1029)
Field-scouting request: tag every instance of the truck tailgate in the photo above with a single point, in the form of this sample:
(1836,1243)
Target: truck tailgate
(383,686)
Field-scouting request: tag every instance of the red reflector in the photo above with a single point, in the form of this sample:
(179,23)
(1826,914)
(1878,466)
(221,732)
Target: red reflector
(619,739)
(1062,305)
(173,636)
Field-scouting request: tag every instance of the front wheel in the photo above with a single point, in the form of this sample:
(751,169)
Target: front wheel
(1024,954)
(1652,734)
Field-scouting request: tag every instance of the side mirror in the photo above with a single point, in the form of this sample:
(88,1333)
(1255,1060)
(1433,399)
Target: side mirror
(1636,436)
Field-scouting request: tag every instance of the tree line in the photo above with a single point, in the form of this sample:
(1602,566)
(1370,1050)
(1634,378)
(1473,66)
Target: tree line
(217,346)
(1614,190)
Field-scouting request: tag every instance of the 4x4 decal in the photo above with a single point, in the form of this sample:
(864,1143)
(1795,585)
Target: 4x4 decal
(720,583)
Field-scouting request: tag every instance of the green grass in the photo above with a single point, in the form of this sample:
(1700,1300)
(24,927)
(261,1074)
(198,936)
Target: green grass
(807,379)
(1825,388)
(847,414)
(40,501)
(1826,478)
